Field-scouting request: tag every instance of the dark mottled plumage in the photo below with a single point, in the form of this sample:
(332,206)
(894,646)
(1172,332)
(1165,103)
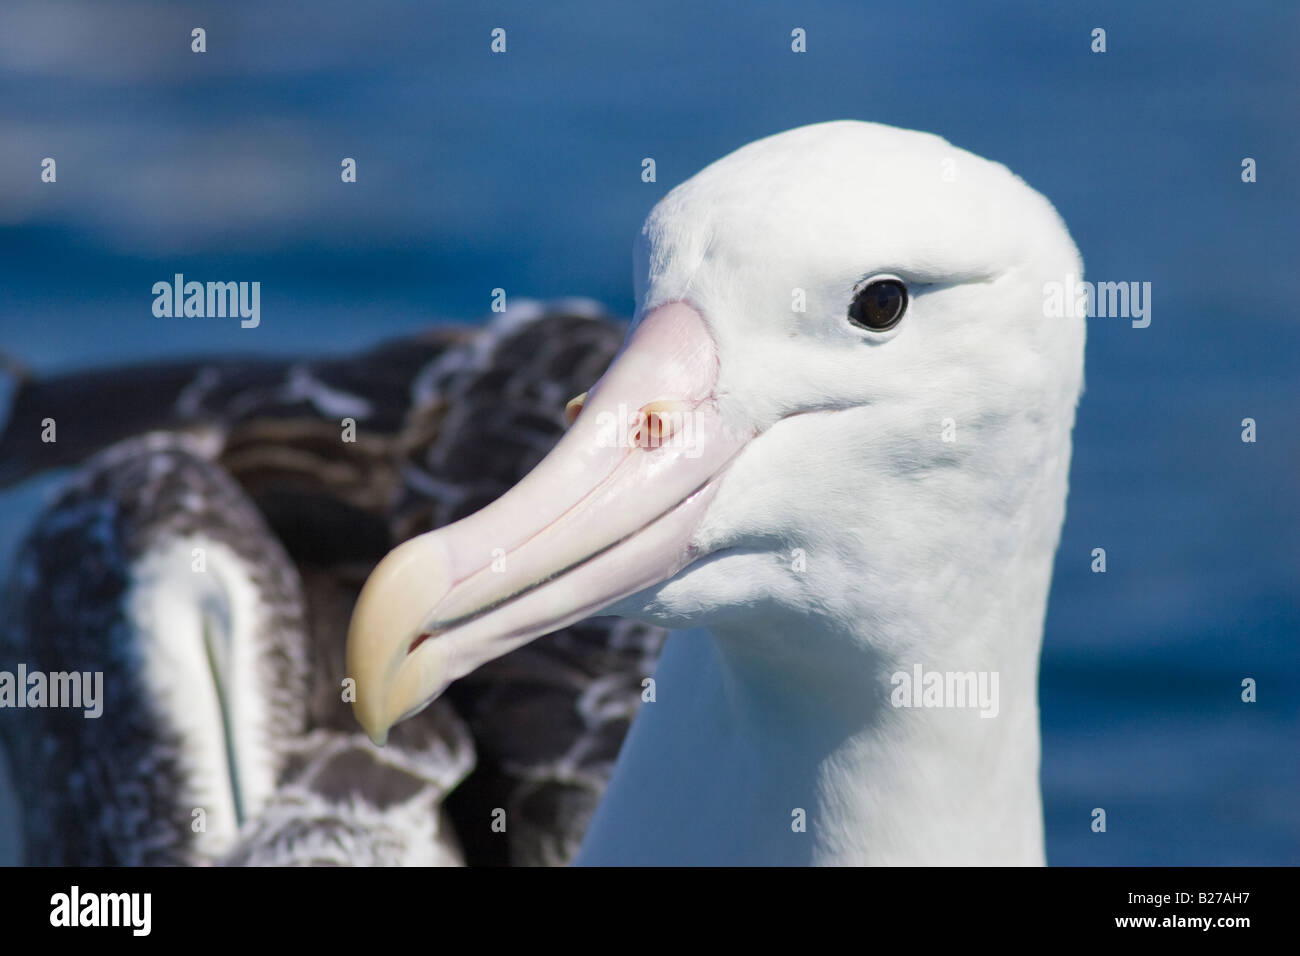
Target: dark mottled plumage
(445,423)
(110,790)
(344,802)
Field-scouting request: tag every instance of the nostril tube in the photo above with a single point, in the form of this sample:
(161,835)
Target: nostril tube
(656,422)
(573,407)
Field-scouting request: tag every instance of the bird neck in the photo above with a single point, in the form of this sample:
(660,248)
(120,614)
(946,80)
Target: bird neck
(895,755)
(793,738)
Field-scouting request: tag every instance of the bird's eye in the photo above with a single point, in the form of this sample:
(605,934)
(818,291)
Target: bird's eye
(879,305)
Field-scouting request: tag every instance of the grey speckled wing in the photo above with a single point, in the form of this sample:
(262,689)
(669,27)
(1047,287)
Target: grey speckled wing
(344,802)
(208,748)
(446,422)
(92,591)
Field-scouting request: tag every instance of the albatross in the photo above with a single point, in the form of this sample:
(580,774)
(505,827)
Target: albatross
(205,555)
(833,449)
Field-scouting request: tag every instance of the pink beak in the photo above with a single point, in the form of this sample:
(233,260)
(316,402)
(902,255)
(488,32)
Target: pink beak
(609,512)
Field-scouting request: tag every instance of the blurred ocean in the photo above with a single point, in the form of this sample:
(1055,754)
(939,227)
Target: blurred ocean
(523,171)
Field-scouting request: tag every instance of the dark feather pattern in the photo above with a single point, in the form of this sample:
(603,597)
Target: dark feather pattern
(107,790)
(445,422)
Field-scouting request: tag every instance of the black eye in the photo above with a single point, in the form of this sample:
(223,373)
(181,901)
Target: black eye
(879,305)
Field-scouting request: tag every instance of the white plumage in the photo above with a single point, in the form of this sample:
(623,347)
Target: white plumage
(872,501)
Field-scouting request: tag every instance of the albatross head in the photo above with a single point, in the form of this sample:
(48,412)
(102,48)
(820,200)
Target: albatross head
(840,405)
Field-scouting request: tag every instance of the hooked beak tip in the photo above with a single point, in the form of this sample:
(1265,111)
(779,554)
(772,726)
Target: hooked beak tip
(386,682)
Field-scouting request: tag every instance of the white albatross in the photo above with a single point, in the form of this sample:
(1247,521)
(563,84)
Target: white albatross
(838,493)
